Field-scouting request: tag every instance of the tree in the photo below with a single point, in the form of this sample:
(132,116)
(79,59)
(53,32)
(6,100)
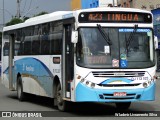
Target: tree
(25,18)
(41,13)
(14,21)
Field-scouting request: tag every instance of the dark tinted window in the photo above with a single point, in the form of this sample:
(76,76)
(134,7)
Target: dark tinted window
(36,40)
(6,49)
(56,37)
(42,39)
(45,42)
(28,41)
(6,44)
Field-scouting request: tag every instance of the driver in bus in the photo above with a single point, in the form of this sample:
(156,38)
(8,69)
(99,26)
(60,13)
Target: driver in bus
(94,48)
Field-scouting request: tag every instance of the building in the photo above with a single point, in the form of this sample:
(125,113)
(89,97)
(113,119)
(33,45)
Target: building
(76,4)
(150,5)
(90,4)
(141,4)
(84,4)
(156,22)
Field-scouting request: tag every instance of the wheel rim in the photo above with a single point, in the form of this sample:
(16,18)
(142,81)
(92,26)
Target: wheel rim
(59,97)
(19,91)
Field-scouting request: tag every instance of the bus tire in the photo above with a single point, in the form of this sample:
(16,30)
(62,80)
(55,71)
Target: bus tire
(61,104)
(20,93)
(123,105)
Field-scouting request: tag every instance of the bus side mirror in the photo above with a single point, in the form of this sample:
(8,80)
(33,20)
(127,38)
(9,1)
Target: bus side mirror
(74,38)
(156,42)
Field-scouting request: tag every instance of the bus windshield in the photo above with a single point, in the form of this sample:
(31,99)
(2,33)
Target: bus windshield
(93,51)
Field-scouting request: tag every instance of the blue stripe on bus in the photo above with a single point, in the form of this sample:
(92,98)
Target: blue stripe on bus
(116,80)
(29,60)
(6,70)
(32,66)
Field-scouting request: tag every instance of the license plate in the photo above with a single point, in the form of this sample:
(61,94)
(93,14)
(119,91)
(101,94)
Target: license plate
(119,94)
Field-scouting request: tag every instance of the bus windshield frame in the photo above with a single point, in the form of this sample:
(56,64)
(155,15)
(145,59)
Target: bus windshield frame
(92,50)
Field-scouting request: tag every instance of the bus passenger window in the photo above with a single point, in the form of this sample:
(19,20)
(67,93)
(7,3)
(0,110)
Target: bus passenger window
(6,49)
(45,48)
(56,40)
(36,47)
(27,48)
(45,42)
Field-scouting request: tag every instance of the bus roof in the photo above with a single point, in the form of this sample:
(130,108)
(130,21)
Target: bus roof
(59,15)
(113,9)
(39,19)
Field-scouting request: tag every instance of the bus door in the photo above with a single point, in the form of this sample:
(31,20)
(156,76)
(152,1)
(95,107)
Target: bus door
(68,61)
(5,61)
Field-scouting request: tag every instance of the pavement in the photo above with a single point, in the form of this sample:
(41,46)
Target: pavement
(158,75)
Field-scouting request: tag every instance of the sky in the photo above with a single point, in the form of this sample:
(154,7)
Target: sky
(31,7)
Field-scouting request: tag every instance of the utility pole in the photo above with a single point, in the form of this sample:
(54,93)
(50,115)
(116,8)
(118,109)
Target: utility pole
(3,15)
(113,3)
(18,9)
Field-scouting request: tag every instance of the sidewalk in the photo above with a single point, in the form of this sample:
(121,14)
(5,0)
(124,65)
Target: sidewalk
(158,73)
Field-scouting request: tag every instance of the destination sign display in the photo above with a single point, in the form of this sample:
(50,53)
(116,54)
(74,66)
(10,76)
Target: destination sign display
(119,17)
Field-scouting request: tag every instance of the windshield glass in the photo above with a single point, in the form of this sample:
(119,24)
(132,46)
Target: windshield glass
(93,50)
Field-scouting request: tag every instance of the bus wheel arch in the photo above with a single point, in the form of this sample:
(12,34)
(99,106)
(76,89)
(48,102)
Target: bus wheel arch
(57,94)
(56,81)
(62,104)
(18,75)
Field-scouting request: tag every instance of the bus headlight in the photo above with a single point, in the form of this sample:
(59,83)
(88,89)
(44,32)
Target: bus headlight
(145,85)
(82,80)
(92,85)
(78,77)
(87,82)
(149,82)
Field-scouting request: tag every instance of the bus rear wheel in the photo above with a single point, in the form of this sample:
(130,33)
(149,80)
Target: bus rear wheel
(62,104)
(20,93)
(123,105)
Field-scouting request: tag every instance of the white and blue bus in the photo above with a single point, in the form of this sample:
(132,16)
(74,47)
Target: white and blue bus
(90,55)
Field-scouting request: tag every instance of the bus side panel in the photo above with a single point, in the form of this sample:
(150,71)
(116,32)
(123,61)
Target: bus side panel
(5,62)
(5,71)
(35,75)
(55,68)
(46,75)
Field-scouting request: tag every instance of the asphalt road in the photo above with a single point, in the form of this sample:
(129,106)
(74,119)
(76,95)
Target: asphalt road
(89,111)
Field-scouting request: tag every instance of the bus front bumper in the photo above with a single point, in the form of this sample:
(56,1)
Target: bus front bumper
(87,94)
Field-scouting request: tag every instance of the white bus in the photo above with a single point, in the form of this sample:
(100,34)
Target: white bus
(90,55)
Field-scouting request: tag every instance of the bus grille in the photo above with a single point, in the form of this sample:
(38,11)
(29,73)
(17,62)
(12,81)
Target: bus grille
(118,74)
(119,85)
(111,97)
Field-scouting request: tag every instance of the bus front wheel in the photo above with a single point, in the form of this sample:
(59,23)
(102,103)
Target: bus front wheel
(123,105)
(20,93)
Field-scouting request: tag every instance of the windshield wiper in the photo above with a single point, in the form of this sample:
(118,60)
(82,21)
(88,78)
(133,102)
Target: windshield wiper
(130,38)
(104,34)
